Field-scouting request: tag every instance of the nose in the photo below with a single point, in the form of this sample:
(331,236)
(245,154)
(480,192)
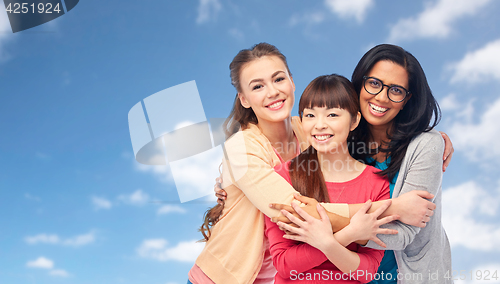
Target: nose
(383,96)
(272,91)
(320,123)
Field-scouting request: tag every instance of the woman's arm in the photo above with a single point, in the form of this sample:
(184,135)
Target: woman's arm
(412,207)
(290,255)
(423,170)
(248,165)
(318,234)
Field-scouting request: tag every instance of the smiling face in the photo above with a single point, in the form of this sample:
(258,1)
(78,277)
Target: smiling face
(267,88)
(378,110)
(327,129)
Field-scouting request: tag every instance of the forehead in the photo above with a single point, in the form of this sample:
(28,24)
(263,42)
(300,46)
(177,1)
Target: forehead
(390,73)
(261,68)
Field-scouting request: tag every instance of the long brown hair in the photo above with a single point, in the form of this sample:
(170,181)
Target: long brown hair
(331,91)
(420,114)
(239,116)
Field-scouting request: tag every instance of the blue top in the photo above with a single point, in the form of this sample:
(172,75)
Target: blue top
(388,269)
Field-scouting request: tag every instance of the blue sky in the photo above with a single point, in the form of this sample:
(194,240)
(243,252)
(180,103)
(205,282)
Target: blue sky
(77,208)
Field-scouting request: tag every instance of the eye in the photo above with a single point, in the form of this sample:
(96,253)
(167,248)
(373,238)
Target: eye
(256,87)
(309,115)
(396,90)
(279,79)
(374,83)
(332,115)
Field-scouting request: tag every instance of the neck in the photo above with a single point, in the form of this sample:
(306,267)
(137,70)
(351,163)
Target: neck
(280,134)
(379,135)
(338,165)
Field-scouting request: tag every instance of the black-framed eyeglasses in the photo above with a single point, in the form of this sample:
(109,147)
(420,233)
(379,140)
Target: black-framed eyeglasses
(374,86)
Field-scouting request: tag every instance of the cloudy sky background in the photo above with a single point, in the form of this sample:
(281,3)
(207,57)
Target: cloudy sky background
(77,208)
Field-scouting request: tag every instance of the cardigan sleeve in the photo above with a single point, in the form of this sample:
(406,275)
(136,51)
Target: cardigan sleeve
(423,172)
(248,164)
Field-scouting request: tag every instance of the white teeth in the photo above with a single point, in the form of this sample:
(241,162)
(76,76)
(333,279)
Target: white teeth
(277,104)
(322,137)
(378,109)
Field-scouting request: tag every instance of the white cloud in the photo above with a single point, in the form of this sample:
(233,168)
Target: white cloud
(136,198)
(461,204)
(236,33)
(32,197)
(59,273)
(208,10)
(157,249)
(101,203)
(351,8)
(41,262)
(165,209)
(54,239)
(80,240)
(161,172)
(479,65)
(309,19)
(478,140)
(43,238)
(436,20)
(449,102)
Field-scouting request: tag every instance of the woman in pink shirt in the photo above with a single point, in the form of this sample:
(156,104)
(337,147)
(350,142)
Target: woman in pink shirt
(329,110)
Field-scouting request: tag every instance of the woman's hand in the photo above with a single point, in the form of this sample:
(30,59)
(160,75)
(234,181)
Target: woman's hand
(220,193)
(448,150)
(366,226)
(413,207)
(316,232)
(309,208)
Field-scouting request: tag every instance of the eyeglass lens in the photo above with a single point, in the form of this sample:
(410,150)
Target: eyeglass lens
(375,86)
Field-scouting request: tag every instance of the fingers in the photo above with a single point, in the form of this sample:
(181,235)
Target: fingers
(287,227)
(322,213)
(382,208)
(379,242)
(430,212)
(387,219)
(292,218)
(447,161)
(304,199)
(448,150)
(424,194)
(280,219)
(365,207)
(281,207)
(294,237)
(302,213)
(387,231)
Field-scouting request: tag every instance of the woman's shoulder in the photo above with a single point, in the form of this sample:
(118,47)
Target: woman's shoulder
(250,135)
(430,140)
(372,173)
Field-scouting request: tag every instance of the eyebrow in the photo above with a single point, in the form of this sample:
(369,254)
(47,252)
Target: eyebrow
(272,76)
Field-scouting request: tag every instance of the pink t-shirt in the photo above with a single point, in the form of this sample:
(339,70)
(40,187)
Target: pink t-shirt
(299,262)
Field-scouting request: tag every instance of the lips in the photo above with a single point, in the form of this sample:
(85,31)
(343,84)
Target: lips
(378,109)
(322,137)
(276,104)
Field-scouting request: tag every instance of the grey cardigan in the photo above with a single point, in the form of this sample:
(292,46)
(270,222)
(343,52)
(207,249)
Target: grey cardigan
(423,254)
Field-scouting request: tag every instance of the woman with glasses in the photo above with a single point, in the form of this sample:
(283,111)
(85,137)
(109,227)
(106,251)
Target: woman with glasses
(396,135)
